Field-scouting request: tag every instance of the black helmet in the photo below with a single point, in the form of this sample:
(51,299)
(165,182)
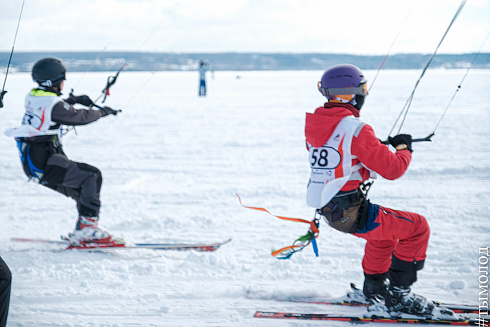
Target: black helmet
(49,72)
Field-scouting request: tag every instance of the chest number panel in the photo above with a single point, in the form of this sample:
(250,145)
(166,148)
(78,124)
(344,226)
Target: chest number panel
(324,158)
(32,120)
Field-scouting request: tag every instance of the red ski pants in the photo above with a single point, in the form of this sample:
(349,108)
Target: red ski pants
(402,234)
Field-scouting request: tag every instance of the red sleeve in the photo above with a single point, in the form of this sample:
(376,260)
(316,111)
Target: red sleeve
(377,157)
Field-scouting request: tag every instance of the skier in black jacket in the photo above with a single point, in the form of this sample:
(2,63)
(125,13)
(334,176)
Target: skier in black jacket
(42,155)
(5,286)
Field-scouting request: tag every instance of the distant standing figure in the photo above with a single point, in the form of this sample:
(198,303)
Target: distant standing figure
(202,77)
(5,286)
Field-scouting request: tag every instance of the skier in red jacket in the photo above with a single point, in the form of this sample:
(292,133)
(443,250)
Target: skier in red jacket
(344,154)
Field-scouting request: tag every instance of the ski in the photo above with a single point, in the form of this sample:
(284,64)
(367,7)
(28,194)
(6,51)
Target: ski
(203,247)
(354,301)
(457,308)
(357,319)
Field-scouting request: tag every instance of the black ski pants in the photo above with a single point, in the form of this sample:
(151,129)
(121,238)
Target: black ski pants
(77,180)
(5,287)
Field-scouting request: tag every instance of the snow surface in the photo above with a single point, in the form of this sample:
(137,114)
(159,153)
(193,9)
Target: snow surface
(172,163)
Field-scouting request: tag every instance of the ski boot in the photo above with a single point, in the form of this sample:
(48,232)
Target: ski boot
(375,287)
(356,296)
(88,234)
(400,300)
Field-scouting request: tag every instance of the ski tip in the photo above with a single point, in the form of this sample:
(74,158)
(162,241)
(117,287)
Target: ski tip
(223,243)
(212,247)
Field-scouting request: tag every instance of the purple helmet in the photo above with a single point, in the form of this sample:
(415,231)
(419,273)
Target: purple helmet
(344,84)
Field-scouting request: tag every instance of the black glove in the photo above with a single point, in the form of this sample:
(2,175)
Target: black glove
(84,100)
(81,99)
(108,111)
(401,142)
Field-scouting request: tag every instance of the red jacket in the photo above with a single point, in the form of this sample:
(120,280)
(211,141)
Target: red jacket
(368,149)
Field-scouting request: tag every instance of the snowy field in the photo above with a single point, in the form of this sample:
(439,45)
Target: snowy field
(172,163)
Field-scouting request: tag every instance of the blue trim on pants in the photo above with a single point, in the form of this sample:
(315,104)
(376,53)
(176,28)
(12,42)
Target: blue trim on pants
(370,223)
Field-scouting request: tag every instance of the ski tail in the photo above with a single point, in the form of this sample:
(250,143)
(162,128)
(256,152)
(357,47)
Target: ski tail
(35,240)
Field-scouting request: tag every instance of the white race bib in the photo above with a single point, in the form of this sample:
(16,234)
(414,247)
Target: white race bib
(331,164)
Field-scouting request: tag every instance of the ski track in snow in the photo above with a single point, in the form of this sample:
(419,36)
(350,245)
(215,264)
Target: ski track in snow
(172,163)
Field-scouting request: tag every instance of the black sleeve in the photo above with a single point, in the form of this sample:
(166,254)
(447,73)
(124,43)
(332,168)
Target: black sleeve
(64,113)
(5,289)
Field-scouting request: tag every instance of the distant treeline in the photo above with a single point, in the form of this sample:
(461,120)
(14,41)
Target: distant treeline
(149,61)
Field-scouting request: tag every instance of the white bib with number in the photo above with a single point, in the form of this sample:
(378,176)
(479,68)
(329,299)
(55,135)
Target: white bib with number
(331,164)
(37,118)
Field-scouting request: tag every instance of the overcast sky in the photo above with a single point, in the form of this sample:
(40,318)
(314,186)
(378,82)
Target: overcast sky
(335,26)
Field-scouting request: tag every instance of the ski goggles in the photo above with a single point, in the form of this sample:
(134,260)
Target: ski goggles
(361,89)
(55,81)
